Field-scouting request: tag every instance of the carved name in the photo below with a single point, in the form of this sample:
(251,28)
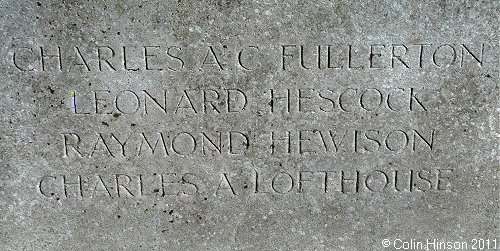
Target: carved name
(252,183)
(175,58)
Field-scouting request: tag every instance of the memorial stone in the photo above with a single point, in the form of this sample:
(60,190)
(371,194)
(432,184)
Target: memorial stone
(249,125)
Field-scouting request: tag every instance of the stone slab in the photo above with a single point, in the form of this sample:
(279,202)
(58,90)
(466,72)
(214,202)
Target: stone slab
(249,125)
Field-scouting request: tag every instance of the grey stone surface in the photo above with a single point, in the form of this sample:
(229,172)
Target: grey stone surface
(249,125)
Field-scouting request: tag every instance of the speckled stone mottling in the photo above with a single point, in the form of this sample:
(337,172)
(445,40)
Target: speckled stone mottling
(248,125)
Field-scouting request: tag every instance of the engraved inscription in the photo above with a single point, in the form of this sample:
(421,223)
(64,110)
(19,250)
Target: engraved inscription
(252,183)
(218,58)
(273,116)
